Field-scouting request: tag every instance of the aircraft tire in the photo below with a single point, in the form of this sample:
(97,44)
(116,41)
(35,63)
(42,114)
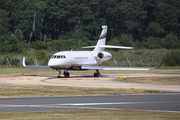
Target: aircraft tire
(96,75)
(68,74)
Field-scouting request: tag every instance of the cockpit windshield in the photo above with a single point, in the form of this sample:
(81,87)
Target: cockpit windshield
(58,57)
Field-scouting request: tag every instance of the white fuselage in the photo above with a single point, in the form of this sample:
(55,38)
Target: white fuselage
(76,59)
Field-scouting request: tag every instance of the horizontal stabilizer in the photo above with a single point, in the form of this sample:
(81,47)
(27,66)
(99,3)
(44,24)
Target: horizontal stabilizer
(110,46)
(89,47)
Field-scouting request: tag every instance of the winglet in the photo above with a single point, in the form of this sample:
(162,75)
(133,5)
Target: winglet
(160,63)
(23,62)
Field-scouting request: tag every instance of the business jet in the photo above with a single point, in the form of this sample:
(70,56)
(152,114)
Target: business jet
(85,60)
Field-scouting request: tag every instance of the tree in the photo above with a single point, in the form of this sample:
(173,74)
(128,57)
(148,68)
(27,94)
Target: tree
(167,14)
(171,41)
(133,17)
(19,35)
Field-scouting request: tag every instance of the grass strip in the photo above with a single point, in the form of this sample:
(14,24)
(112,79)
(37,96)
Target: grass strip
(155,80)
(92,114)
(34,90)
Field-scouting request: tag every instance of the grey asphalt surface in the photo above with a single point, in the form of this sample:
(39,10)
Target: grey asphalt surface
(154,102)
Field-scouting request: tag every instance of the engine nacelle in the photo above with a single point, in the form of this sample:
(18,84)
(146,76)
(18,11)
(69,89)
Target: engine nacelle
(103,56)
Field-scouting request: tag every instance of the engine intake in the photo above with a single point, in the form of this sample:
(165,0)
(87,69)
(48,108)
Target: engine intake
(100,55)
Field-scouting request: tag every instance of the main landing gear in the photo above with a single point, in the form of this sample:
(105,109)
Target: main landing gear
(97,73)
(66,73)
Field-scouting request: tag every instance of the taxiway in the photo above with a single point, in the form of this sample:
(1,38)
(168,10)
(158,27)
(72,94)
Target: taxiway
(150,102)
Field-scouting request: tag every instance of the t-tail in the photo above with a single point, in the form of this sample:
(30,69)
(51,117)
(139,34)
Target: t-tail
(100,46)
(102,40)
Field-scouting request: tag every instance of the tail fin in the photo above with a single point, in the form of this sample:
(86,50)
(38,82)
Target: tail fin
(100,46)
(102,40)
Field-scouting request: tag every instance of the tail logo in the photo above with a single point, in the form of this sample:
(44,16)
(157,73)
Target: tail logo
(103,36)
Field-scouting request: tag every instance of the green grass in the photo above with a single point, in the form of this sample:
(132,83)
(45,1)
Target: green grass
(34,90)
(155,80)
(92,115)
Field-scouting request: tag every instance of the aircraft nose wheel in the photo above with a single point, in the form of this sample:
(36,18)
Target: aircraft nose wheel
(59,73)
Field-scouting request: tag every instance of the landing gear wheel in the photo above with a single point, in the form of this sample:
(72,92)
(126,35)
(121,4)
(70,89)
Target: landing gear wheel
(66,74)
(58,76)
(96,74)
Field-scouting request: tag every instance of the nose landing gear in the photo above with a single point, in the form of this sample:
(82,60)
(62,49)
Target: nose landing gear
(59,73)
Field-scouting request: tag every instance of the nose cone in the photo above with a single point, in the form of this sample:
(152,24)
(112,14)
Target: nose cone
(52,63)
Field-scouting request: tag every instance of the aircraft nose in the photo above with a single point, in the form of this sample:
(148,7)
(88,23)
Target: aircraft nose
(51,63)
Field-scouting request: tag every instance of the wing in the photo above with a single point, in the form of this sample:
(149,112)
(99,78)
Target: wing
(114,68)
(40,67)
(120,68)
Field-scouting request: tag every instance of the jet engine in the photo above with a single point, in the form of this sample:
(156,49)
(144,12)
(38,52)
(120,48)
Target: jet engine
(100,55)
(103,56)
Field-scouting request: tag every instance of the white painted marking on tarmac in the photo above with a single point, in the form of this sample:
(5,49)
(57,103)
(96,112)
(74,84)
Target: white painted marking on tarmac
(70,104)
(116,103)
(55,106)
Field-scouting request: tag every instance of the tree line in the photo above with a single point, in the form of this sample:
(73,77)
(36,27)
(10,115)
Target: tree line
(139,23)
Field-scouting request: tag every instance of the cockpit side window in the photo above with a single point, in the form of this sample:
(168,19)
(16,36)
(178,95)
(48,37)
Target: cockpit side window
(58,56)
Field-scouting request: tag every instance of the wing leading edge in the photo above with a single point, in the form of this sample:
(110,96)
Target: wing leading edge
(114,68)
